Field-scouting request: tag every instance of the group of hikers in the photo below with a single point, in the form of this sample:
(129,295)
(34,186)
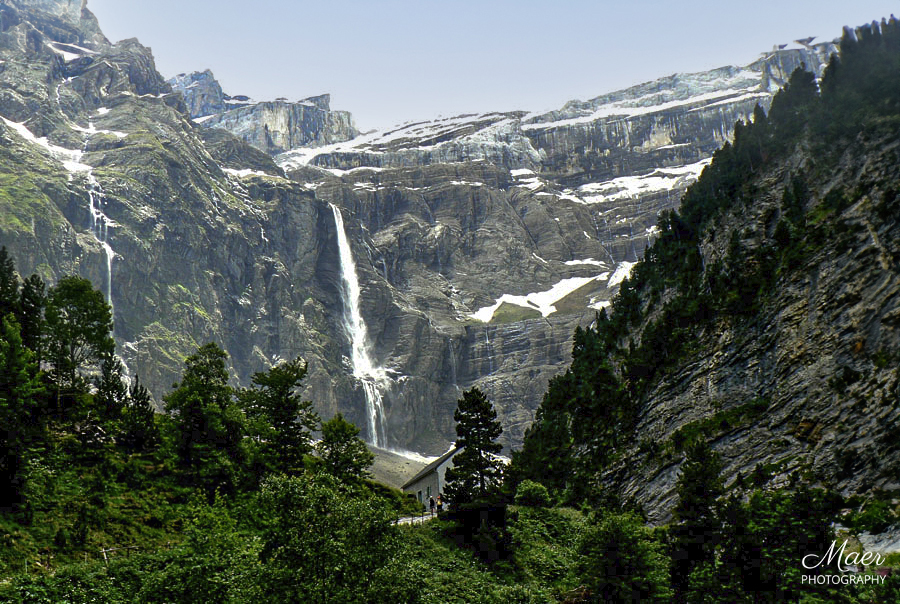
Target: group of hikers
(432,505)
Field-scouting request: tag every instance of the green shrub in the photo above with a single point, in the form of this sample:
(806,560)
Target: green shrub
(532,494)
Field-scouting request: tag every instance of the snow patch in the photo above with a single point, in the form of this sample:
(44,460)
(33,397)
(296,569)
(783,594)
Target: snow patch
(623,271)
(588,261)
(91,130)
(67,55)
(245,173)
(532,184)
(542,302)
(635,107)
(70,158)
(599,304)
(626,187)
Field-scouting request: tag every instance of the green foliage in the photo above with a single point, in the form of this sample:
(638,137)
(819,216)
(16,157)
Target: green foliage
(209,424)
(543,552)
(544,546)
(344,455)
(582,418)
(874,515)
(620,561)
(31,313)
(720,422)
(9,285)
(279,421)
(321,545)
(475,473)
(215,563)
(532,494)
(78,327)
(696,531)
(20,387)
(140,431)
(111,391)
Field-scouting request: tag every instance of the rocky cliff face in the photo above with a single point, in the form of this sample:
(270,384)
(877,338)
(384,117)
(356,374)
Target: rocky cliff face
(272,126)
(494,235)
(822,355)
(480,241)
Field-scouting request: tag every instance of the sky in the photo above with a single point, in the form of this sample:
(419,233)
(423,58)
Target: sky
(390,61)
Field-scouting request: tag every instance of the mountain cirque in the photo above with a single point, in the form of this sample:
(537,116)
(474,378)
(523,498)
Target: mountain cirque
(480,241)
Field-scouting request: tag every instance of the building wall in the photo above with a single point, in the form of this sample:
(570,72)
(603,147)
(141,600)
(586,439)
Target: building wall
(421,487)
(434,480)
(442,471)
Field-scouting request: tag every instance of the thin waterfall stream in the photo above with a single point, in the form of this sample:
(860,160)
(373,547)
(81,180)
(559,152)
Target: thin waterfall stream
(372,377)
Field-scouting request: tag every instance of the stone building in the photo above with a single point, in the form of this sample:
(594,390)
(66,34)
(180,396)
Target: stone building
(429,482)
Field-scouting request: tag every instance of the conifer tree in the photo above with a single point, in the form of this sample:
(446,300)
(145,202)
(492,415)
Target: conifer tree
(32,300)
(9,284)
(476,471)
(210,425)
(19,389)
(139,429)
(281,422)
(344,455)
(112,391)
(697,530)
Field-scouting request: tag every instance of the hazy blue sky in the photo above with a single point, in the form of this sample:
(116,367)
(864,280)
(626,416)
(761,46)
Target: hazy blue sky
(388,61)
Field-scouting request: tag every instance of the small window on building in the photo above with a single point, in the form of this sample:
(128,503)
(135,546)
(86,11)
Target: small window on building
(429,492)
(420,496)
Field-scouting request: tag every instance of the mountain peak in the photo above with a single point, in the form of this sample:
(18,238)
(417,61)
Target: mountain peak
(71,10)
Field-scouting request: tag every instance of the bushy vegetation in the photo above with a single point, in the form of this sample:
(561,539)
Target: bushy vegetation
(226,498)
(219,500)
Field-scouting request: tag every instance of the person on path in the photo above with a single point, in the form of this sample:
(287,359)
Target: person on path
(440,504)
(431,504)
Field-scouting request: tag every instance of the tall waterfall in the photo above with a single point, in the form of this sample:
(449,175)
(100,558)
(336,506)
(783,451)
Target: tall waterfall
(100,224)
(373,378)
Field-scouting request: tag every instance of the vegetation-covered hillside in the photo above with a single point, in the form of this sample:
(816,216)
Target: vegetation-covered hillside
(734,413)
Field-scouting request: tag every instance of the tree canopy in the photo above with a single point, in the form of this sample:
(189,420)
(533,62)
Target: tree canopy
(476,469)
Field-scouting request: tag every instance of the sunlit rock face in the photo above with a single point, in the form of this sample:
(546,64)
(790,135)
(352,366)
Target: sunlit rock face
(485,239)
(479,241)
(271,126)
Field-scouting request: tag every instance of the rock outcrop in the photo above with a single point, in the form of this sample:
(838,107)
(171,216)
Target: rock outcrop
(821,356)
(271,126)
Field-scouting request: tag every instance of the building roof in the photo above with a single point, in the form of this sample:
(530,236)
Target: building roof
(433,466)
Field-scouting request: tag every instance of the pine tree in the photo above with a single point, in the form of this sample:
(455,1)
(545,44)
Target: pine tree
(476,471)
(32,300)
(9,284)
(344,455)
(112,391)
(281,422)
(139,429)
(210,426)
(698,529)
(20,388)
